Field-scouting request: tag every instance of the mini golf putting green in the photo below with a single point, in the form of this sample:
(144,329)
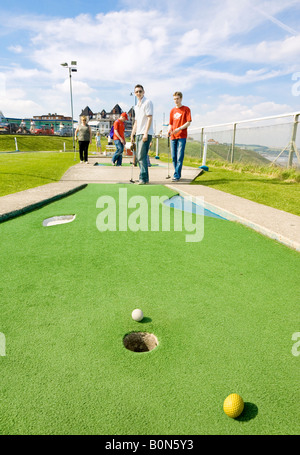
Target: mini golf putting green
(223,310)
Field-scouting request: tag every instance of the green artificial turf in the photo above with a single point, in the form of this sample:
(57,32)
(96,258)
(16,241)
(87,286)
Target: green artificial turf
(224,311)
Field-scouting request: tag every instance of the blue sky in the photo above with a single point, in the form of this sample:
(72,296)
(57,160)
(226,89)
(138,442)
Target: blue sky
(232,60)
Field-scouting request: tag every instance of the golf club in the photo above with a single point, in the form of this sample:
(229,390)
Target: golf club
(133,149)
(74,151)
(168,176)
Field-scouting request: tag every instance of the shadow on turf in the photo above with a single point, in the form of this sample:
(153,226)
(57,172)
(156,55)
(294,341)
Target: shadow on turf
(145,320)
(250,412)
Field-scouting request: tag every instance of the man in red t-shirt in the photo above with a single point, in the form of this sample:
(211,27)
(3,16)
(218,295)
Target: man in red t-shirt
(180,120)
(119,139)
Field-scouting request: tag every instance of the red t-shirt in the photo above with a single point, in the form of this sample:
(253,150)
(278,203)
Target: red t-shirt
(178,117)
(120,127)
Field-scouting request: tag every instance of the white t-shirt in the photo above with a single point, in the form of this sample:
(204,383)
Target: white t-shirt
(141,113)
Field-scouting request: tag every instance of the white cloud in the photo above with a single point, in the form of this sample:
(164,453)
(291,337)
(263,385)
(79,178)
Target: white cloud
(272,133)
(26,107)
(17,74)
(229,109)
(16,49)
(78,87)
(175,45)
(280,52)
(190,43)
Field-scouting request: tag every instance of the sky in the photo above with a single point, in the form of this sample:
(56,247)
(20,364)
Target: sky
(232,60)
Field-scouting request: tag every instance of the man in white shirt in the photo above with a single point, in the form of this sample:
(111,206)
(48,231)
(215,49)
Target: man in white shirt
(143,129)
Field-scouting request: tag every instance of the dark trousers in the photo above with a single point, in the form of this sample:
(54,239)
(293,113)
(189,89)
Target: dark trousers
(83,150)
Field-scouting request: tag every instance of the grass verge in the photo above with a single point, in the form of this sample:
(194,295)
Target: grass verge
(27,143)
(19,172)
(273,186)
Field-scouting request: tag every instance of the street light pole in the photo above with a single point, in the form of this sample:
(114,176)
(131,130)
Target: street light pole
(71,68)
(74,150)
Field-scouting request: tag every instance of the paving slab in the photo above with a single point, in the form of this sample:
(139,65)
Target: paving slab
(104,172)
(22,202)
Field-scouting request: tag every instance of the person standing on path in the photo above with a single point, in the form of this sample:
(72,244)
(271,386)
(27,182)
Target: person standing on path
(98,142)
(83,134)
(180,120)
(119,139)
(143,129)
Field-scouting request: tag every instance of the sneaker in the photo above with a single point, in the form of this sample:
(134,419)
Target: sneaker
(113,163)
(175,180)
(141,182)
(86,162)
(81,162)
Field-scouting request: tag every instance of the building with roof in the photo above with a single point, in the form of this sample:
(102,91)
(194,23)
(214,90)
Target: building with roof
(103,121)
(55,121)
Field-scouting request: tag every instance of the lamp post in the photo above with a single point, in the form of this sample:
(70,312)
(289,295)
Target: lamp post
(72,69)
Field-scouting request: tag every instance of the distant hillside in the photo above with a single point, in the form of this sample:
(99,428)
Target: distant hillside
(272,151)
(216,152)
(242,153)
(254,147)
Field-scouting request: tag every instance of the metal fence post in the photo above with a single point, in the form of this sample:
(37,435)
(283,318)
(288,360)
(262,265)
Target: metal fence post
(233,143)
(232,125)
(293,141)
(201,146)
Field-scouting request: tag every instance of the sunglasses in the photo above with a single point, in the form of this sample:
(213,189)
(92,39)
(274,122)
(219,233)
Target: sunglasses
(138,91)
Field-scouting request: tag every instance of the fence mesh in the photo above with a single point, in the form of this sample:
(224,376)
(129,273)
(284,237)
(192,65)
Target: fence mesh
(262,142)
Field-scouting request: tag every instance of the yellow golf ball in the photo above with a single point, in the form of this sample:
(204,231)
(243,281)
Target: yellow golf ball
(233,405)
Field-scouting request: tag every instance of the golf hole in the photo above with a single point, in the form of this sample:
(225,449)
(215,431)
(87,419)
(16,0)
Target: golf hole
(140,341)
(54,220)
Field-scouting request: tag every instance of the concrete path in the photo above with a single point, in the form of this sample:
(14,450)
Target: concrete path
(17,204)
(91,173)
(279,225)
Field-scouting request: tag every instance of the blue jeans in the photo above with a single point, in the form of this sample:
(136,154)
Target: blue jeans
(177,151)
(118,153)
(142,149)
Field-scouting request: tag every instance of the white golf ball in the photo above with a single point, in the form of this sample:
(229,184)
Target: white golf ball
(137,315)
